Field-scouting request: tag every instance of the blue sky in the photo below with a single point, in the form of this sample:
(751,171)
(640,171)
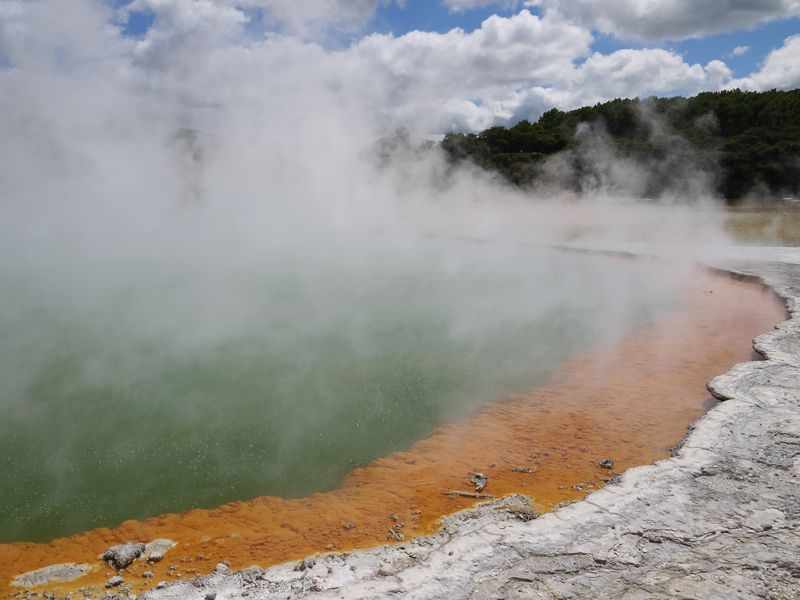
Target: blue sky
(761,40)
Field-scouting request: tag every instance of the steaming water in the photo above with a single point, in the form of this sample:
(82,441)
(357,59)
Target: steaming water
(135,388)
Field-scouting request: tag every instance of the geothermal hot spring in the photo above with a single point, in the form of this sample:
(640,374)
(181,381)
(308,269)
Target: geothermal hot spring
(146,388)
(314,402)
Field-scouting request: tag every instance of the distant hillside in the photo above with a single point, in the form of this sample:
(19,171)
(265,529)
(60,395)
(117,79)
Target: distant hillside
(743,142)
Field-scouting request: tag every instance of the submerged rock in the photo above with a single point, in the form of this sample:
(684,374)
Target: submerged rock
(479,480)
(607,463)
(395,535)
(122,555)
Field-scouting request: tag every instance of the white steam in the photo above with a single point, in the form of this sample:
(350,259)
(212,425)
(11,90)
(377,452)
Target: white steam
(165,200)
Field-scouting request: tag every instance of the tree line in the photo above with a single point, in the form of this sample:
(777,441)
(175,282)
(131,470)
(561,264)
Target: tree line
(746,142)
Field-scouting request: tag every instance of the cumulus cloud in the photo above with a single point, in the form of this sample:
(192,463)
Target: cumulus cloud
(781,69)
(184,30)
(201,58)
(481,74)
(34,34)
(308,18)
(310,15)
(462,5)
(652,20)
(740,51)
(630,73)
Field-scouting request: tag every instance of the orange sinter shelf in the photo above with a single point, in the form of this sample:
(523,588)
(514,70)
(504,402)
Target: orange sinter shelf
(631,400)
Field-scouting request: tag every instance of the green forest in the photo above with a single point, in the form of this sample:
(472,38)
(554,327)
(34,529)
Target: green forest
(744,143)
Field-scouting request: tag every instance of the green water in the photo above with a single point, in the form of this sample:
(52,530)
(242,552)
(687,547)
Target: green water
(138,387)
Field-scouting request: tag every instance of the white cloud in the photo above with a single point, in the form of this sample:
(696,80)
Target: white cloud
(34,34)
(307,18)
(651,20)
(503,51)
(780,70)
(479,73)
(462,5)
(198,64)
(185,30)
(740,51)
(197,54)
(311,15)
(629,73)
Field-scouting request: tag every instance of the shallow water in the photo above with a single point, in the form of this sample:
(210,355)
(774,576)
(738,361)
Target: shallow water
(139,388)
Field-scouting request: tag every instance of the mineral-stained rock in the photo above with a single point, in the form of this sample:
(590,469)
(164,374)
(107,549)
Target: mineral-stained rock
(115,581)
(51,574)
(122,555)
(155,550)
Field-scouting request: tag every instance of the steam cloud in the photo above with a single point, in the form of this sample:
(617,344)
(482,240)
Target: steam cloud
(192,138)
(190,165)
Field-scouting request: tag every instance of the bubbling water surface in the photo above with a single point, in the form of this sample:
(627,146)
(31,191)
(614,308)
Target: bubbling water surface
(138,388)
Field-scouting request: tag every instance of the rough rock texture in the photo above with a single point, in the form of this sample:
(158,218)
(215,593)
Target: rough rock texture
(154,551)
(51,574)
(122,555)
(721,519)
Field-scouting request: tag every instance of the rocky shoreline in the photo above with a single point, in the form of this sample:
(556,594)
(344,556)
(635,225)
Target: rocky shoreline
(718,519)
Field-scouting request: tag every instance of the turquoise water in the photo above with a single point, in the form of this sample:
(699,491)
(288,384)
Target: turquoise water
(133,388)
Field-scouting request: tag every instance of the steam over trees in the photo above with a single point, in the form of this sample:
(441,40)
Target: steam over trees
(743,141)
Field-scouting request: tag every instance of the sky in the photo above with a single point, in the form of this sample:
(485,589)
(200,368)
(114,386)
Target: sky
(428,65)
(754,39)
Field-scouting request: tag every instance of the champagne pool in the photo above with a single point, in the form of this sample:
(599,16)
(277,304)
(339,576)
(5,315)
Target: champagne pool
(140,386)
